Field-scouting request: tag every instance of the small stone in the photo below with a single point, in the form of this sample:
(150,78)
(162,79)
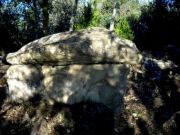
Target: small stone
(168,93)
(117,130)
(85,106)
(170,72)
(134,114)
(99,84)
(26,117)
(158,102)
(47,118)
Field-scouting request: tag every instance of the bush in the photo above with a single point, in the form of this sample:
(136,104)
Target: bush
(2,52)
(123,29)
(89,17)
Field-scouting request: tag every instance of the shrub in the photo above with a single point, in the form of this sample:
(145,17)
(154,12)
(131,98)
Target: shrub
(123,29)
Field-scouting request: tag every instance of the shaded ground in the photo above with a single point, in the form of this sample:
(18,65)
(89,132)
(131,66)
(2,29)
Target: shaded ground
(151,106)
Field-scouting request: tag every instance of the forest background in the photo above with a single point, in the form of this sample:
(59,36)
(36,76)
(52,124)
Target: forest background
(150,24)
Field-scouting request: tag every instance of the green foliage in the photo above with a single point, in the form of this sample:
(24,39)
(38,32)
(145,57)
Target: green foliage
(129,9)
(89,17)
(8,27)
(158,25)
(59,18)
(107,5)
(2,52)
(21,22)
(123,29)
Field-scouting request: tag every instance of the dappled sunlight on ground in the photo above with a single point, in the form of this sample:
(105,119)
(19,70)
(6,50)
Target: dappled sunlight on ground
(151,106)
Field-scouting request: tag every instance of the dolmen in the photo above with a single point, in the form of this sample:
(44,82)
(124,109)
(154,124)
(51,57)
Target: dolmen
(70,67)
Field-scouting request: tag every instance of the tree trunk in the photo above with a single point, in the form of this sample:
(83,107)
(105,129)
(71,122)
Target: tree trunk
(36,18)
(73,16)
(113,16)
(45,17)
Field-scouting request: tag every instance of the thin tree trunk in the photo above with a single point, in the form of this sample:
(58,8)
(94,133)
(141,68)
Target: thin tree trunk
(36,18)
(45,17)
(73,16)
(113,16)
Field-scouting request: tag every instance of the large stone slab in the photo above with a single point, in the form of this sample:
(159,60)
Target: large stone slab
(91,45)
(101,83)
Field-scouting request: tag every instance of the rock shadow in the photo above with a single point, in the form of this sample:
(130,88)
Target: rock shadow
(157,89)
(86,118)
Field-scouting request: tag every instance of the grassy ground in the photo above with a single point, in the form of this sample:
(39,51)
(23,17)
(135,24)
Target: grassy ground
(150,107)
